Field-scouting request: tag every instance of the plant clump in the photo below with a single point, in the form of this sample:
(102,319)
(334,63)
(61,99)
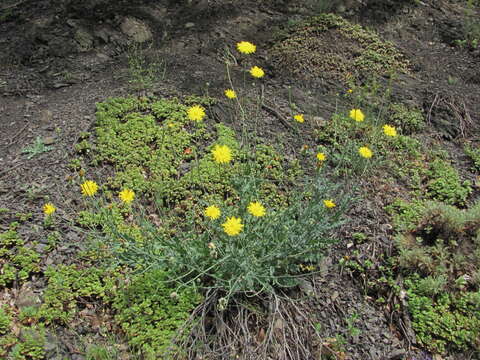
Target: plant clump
(152,313)
(440,259)
(328,45)
(17,262)
(444,183)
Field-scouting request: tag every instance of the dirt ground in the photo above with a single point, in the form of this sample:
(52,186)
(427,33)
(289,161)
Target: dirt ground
(52,76)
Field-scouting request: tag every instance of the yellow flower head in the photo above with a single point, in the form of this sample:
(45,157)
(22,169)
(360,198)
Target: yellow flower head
(329,204)
(256,209)
(222,154)
(365,152)
(357,115)
(349,91)
(321,156)
(126,195)
(212,212)
(196,113)
(89,188)
(246,47)
(299,118)
(49,209)
(257,72)
(229,93)
(389,130)
(233,226)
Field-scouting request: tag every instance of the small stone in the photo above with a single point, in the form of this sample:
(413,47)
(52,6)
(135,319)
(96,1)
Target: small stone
(27,298)
(46,116)
(136,29)
(49,140)
(397,354)
(189,25)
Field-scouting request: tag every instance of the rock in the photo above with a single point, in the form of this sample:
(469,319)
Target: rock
(136,29)
(102,34)
(26,297)
(397,354)
(189,25)
(46,116)
(49,140)
(84,39)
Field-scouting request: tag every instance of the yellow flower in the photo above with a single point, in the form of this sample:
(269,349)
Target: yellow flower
(299,118)
(329,204)
(365,152)
(89,188)
(257,72)
(49,209)
(321,156)
(212,212)
(233,226)
(196,113)
(246,47)
(126,195)
(256,209)
(349,91)
(357,115)
(389,130)
(229,93)
(222,154)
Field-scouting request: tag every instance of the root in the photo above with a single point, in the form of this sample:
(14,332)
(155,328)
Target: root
(250,329)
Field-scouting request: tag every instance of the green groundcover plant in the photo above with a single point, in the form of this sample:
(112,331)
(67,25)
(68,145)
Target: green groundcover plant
(242,248)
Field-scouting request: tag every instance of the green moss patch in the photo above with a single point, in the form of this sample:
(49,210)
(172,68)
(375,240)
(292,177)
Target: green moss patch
(151,313)
(157,151)
(440,259)
(17,262)
(328,45)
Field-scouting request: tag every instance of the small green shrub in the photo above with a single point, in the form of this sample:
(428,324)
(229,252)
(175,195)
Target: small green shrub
(446,322)
(408,120)
(98,352)
(67,285)
(265,255)
(31,345)
(151,312)
(445,185)
(18,261)
(474,154)
(5,320)
(440,263)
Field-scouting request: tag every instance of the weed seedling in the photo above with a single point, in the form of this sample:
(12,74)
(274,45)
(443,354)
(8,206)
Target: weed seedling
(37,148)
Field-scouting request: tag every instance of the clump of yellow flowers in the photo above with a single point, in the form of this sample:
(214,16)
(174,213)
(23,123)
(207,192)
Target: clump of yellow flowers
(299,118)
(230,93)
(357,115)
(257,72)
(49,209)
(89,188)
(256,209)
(222,154)
(246,47)
(233,226)
(196,113)
(213,212)
(365,152)
(126,195)
(321,156)
(329,203)
(389,130)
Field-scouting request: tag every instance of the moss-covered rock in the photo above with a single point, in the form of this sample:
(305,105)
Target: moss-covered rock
(332,48)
